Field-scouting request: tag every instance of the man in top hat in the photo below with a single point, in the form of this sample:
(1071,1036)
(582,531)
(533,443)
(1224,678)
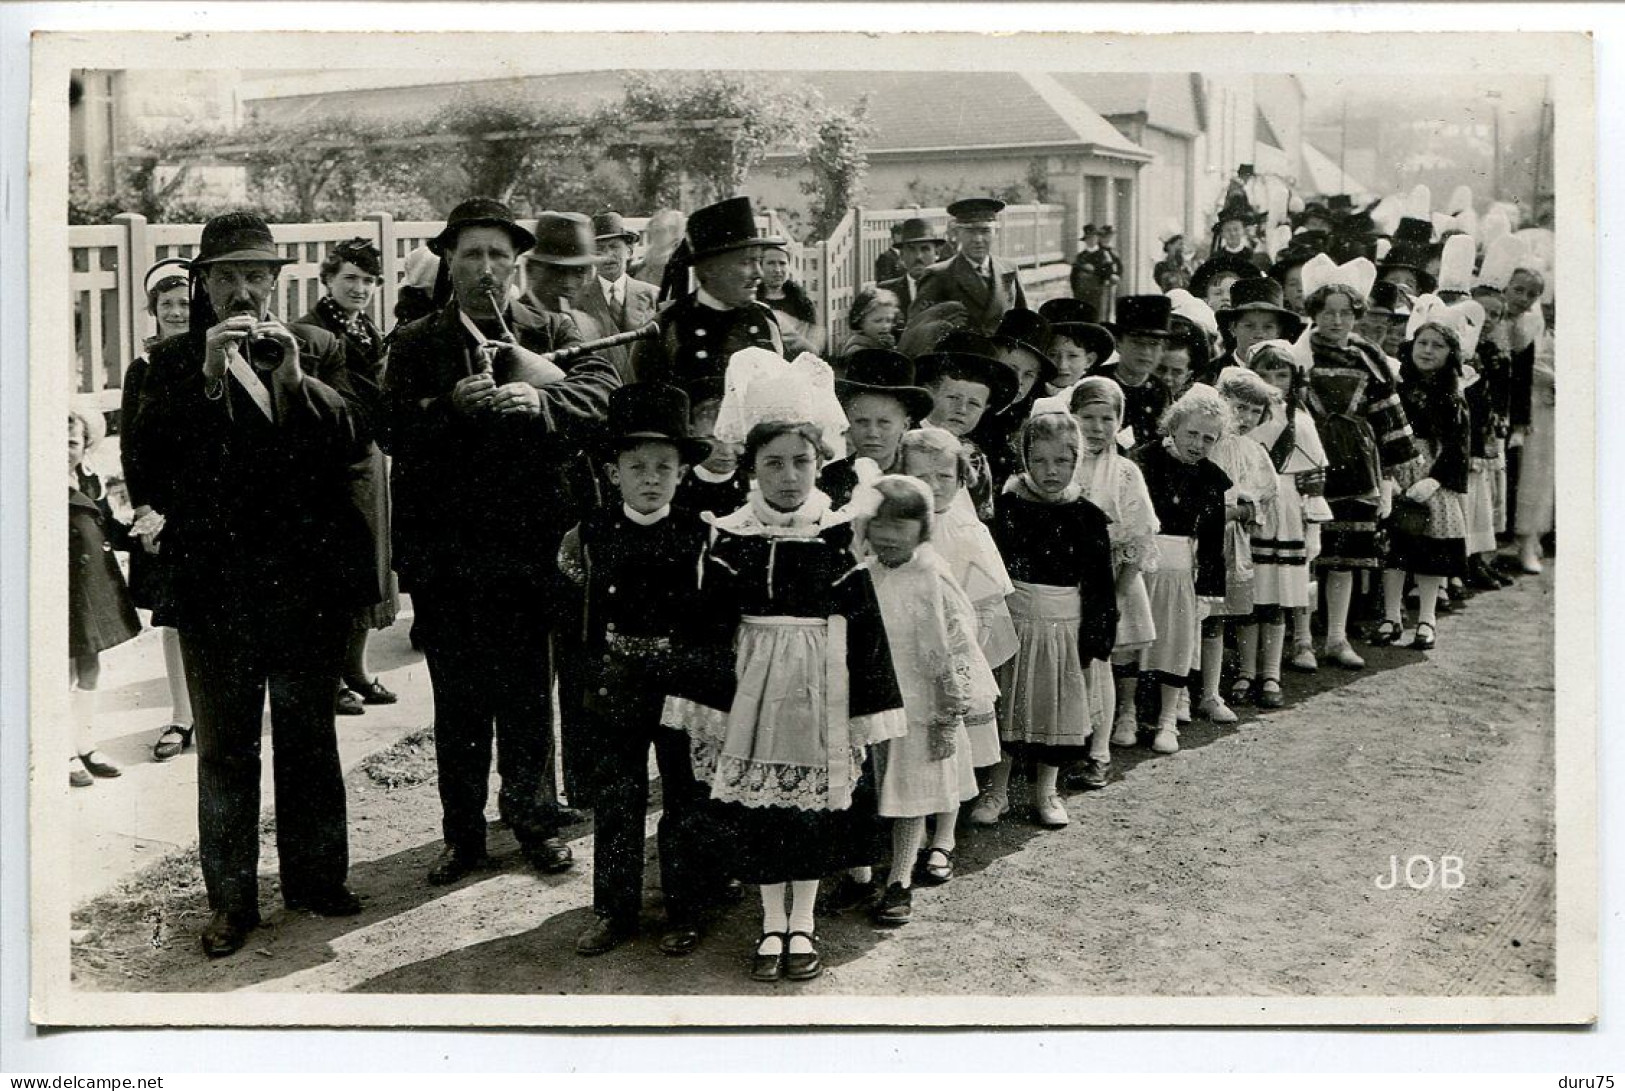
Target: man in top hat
(916,248)
(1316,215)
(1090,266)
(1354,232)
(249,433)
(882,401)
(889,263)
(1407,260)
(1174,270)
(482,426)
(1143,328)
(635,562)
(986,285)
(615,301)
(701,329)
(1231,245)
(1256,314)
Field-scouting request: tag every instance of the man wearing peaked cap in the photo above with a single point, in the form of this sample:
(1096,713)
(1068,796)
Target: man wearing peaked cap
(246,435)
(916,249)
(882,401)
(612,298)
(986,285)
(482,424)
(701,329)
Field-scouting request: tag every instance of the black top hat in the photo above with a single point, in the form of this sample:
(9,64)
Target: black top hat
(1390,297)
(726,225)
(1147,315)
(609,225)
(237,236)
(1074,320)
(640,411)
(1412,246)
(970,357)
(564,238)
(1027,330)
(1237,207)
(480,212)
(1339,202)
(1088,229)
(885,371)
(968,210)
(1259,294)
(917,230)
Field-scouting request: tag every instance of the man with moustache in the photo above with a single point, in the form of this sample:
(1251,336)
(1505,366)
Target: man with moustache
(250,430)
(986,285)
(612,298)
(482,425)
(916,249)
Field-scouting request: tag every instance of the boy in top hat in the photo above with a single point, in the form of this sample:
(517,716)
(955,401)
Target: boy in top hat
(916,249)
(702,329)
(638,564)
(986,285)
(1077,345)
(615,301)
(1142,329)
(1256,314)
(482,428)
(881,402)
(250,432)
(966,379)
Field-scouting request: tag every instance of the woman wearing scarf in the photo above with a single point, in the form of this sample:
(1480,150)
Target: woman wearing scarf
(351,274)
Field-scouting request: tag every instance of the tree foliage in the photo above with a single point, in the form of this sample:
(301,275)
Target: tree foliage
(838,165)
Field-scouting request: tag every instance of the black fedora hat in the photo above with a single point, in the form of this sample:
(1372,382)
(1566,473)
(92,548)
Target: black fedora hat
(564,238)
(726,225)
(884,371)
(1143,314)
(610,225)
(1259,295)
(1074,319)
(973,358)
(651,411)
(1030,332)
(237,236)
(481,212)
(968,210)
(916,229)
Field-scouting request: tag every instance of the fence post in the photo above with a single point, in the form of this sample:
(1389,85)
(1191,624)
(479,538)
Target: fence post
(392,263)
(859,276)
(132,300)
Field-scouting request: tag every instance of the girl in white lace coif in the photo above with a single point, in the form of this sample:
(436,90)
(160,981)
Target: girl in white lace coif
(931,629)
(1055,689)
(801,682)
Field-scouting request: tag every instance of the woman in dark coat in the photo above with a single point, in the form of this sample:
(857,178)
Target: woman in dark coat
(100,613)
(169,303)
(351,273)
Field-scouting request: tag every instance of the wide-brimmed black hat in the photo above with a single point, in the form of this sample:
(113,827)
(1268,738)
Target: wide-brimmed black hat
(481,212)
(1412,249)
(1300,248)
(1147,315)
(1213,267)
(971,357)
(916,229)
(885,371)
(969,210)
(237,236)
(1259,294)
(1237,207)
(1029,331)
(564,238)
(726,225)
(610,225)
(659,411)
(1074,320)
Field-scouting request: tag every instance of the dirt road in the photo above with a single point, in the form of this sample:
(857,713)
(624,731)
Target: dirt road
(1247,864)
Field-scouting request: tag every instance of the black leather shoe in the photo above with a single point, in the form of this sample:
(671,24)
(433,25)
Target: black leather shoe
(348,703)
(98,767)
(338,902)
(551,856)
(372,692)
(680,938)
(895,908)
(226,933)
(769,967)
(453,865)
(802,967)
(604,934)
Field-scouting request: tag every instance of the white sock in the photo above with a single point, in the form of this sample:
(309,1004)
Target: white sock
(1393,596)
(1167,715)
(907,835)
(943,836)
(180,698)
(1247,649)
(1212,665)
(1339,593)
(83,705)
(803,893)
(862,874)
(1427,591)
(1270,653)
(773,917)
(1044,781)
(1302,633)
(999,782)
(1126,689)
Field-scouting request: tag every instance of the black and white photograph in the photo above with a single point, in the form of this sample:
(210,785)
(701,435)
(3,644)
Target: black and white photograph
(690,530)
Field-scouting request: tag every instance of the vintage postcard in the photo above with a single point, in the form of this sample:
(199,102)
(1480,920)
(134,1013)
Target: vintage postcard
(1222,650)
